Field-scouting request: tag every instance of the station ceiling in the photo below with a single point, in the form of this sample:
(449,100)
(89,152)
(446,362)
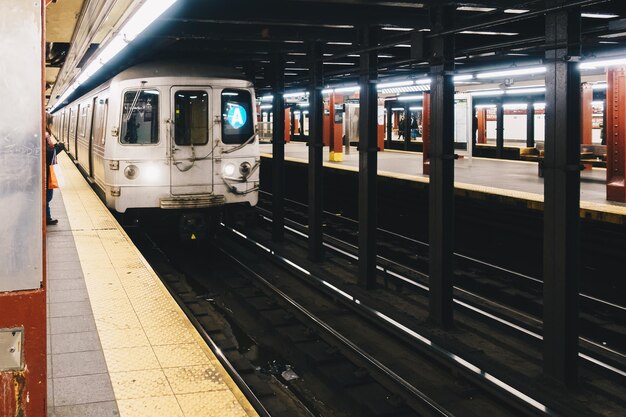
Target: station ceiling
(246,34)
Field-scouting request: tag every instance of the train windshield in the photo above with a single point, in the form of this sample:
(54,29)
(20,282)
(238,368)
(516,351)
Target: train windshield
(237,123)
(191,118)
(140,117)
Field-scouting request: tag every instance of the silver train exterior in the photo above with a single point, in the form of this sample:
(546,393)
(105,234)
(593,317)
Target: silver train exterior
(168,136)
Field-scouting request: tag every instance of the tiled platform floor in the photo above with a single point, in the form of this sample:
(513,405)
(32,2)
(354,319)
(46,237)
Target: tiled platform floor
(517,179)
(118,344)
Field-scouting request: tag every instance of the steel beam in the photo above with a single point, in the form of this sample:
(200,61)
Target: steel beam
(561,170)
(441,189)
(530,126)
(499,130)
(316,148)
(368,160)
(278,149)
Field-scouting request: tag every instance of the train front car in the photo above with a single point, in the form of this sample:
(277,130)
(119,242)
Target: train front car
(185,144)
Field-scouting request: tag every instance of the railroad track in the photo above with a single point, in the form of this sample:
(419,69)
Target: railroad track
(507,296)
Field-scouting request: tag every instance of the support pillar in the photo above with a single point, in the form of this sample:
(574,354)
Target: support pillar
(426,134)
(499,130)
(316,148)
(336,129)
(615,134)
(530,126)
(586,118)
(441,188)
(368,159)
(278,148)
(481,136)
(389,125)
(561,171)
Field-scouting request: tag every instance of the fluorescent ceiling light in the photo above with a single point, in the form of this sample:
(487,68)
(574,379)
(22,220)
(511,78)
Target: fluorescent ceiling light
(380,86)
(385,56)
(407,89)
(416,108)
(512,72)
(147,13)
(530,90)
(515,106)
(295,94)
(485,106)
(339,43)
(516,11)
(266,106)
(397,108)
(267,98)
(397,29)
(327,91)
(488,33)
(423,81)
(486,93)
(539,105)
(598,15)
(402,45)
(475,9)
(303,104)
(613,35)
(602,63)
(463,77)
(338,63)
(349,89)
(410,98)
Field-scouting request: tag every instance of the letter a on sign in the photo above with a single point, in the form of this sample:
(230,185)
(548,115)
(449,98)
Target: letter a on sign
(237,116)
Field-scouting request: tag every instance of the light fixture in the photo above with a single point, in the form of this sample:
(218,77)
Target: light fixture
(295,94)
(475,9)
(488,33)
(303,104)
(147,13)
(327,91)
(267,98)
(485,106)
(423,81)
(482,93)
(411,98)
(397,29)
(349,89)
(512,72)
(463,77)
(516,11)
(416,108)
(599,15)
(338,63)
(266,106)
(530,90)
(339,43)
(602,63)
(397,109)
(515,106)
(381,86)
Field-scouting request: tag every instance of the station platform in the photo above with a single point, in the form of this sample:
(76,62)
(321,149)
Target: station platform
(478,177)
(118,344)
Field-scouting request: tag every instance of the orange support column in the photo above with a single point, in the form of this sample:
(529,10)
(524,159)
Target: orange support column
(336,132)
(481,136)
(381,125)
(426,133)
(326,126)
(586,117)
(287,125)
(615,134)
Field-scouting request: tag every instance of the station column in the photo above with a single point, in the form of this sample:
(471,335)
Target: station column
(426,134)
(368,159)
(441,188)
(316,147)
(22,243)
(615,135)
(561,241)
(278,148)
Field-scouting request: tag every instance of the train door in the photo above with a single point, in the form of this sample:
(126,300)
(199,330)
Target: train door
(70,130)
(76,129)
(191,144)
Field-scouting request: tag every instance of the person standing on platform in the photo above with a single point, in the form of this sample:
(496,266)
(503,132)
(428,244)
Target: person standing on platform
(51,150)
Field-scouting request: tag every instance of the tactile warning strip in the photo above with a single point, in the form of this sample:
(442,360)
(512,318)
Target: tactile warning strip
(158,363)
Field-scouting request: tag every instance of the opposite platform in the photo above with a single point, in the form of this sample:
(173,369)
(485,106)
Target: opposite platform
(506,179)
(118,343)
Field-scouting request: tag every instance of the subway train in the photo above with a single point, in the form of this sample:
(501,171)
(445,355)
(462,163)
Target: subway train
(170,136)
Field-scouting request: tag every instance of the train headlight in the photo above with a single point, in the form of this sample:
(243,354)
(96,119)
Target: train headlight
(228,170)
(244,169)
(131,172)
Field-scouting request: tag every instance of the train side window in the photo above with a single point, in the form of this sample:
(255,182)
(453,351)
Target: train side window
(191,118)
(237,124)
(140,117)
(82,121)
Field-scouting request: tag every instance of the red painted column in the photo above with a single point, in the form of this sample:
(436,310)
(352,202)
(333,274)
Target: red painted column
(287,125)
(586,117)
(481,136)
(336,131)
(426,133)
(615,134)
(23,392)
